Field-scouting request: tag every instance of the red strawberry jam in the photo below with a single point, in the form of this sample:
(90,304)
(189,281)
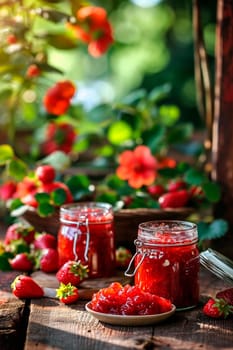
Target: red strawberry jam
(167,261)
(128,300)
(86,234)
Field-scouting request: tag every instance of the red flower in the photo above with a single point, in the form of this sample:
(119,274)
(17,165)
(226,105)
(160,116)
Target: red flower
(57,99)
(138,167)
(58,137)
(7,190)
(94,29)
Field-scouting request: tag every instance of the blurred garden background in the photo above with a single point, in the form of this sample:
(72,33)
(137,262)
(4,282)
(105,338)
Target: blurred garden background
(153,47)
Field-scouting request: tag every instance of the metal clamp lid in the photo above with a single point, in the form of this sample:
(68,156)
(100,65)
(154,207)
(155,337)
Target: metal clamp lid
(218,264)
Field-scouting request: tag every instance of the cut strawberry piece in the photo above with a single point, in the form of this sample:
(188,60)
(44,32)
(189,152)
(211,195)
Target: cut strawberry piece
(25,287)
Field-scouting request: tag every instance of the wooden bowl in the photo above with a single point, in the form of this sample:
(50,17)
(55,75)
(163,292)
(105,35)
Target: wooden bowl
(126,221)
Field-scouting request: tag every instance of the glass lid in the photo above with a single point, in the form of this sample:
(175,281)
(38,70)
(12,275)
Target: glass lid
(218,264)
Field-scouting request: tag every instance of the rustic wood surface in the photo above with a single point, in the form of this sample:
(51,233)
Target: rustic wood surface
(46,324)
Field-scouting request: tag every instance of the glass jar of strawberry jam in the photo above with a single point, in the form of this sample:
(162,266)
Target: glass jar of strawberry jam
(86,234)
(167,261)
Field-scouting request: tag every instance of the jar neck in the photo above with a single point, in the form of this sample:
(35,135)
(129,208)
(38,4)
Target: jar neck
(167,233)
(91,212)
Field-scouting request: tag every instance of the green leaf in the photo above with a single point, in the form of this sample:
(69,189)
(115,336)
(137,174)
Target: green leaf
(195,177)
(17,169)
(58,196)
(15,204)
(153,137)
(214,230)
(134,97)
(58,159)
(42,197)
(53,15)
(4,261)
(180,133)
(6,154)
(212,191)
(45,209)
(61,41)
(79,186)
(159,93)
(169,172)
(119,132)
(169,114)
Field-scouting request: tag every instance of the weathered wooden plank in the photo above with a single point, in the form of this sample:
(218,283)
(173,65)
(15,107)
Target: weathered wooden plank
(13,315)
(56,326)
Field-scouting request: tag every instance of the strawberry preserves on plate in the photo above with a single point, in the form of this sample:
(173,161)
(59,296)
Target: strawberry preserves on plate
(128,300)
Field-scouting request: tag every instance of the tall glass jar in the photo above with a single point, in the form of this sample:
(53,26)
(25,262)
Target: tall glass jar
(167,261)
(86,234)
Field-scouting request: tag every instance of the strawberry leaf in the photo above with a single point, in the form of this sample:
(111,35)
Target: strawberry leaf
(212,191)
(4,261)
(58,196)
(17,169)
(6,154)
(42,197)
(194,177)
(214,230)
(44,209)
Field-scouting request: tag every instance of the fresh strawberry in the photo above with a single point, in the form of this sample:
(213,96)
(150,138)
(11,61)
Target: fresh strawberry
(26,287)
(123,257)
(67,293)
(45,173)
(22,262)
(72,272)
(176,199)
(217,308)
(176,185)
(48,261)
(7,190)
(227,295)
(44,240)
(156,190)
(19,230)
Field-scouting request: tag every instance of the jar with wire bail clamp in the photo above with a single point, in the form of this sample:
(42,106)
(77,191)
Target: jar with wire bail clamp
(86,233)
(167,261)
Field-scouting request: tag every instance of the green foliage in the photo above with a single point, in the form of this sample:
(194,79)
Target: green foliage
(79,186)
(213,230)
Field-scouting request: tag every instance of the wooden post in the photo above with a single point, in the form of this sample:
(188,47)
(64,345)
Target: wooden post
(222,137)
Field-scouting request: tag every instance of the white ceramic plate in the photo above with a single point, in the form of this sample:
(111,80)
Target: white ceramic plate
(123,320)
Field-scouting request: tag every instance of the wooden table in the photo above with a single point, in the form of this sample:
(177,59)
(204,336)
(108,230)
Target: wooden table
(47,324)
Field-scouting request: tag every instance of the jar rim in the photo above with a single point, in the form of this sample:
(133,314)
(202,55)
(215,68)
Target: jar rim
(85,205)
(168,232)
(164,225)
(86,212)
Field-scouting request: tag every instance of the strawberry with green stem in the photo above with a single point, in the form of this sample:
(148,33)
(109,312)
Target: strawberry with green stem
(73,272)
(67,293)
(24,287)
(217,308)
